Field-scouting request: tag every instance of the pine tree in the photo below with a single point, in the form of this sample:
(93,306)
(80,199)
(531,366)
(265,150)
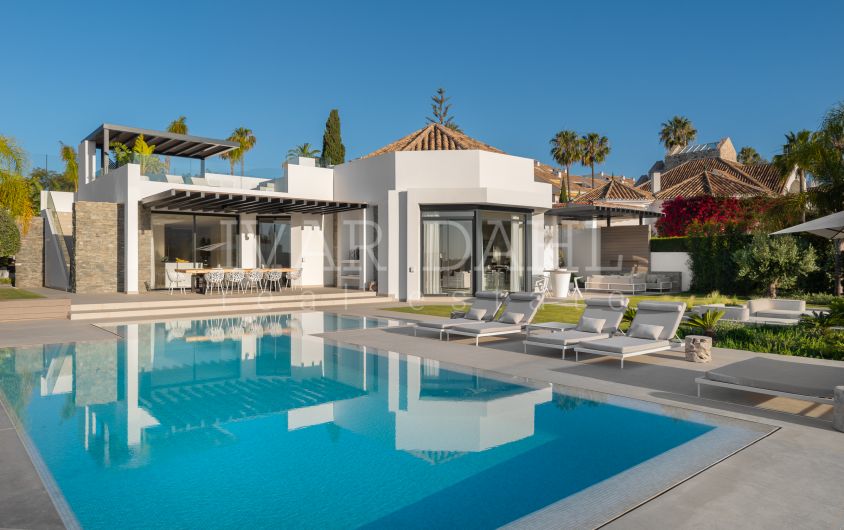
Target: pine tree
(440,107)
(333,150)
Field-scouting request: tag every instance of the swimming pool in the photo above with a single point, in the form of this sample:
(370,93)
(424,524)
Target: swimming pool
(259,421)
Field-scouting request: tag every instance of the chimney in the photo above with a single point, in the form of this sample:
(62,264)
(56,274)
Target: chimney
(656,182)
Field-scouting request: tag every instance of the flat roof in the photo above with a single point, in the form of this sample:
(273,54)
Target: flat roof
(586,212)
(166,143)
(193,201)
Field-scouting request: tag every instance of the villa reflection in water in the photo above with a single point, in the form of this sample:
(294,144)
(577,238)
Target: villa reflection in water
(192,379)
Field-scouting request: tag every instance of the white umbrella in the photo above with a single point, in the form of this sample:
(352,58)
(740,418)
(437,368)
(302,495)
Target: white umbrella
(830,227)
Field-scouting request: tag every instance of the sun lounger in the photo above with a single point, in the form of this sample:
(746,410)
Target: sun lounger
(599,321)
(519,310)
(803,381)
(652,328)
(484,308)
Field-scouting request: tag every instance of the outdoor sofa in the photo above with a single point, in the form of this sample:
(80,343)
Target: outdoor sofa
(777,308)
(623,283)
(763,375)
(735,313)
(600,320)
(653,326)
(483,309)
(519,310)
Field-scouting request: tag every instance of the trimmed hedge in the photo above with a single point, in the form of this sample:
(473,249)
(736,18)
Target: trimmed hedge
(669,244)
(10,237)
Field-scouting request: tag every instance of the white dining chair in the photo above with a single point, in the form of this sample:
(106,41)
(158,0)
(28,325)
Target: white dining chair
(254,280)
(215,279)
(177,280)
(235,279)
(294,276)
(273,279)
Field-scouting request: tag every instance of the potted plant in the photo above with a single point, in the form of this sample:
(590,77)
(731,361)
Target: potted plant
(707,322)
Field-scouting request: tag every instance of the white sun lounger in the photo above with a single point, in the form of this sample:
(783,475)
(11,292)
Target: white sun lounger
(524,303)
(665,314)
(488,301)
(761,375)
(611,310)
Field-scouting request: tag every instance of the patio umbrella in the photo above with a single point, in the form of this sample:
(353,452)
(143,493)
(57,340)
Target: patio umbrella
(830,227)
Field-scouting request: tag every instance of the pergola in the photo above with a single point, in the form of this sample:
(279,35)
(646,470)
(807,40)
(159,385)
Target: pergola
(192,201)
(166,143)
(591,212)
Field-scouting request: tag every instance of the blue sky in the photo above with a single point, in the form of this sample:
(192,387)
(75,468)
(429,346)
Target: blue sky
(517,71)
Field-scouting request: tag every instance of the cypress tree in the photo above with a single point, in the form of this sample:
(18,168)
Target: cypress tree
(333,150)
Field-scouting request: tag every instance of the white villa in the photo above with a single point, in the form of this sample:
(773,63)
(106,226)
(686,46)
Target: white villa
(433,213)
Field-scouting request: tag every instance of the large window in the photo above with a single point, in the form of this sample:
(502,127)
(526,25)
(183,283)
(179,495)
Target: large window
(447,256)
(503,240)
(274,242)
(182,241)
(468,250)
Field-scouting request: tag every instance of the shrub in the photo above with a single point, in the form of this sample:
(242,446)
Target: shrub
(711,248)
(774,262)
(783,340)
(668,244)
(10,237)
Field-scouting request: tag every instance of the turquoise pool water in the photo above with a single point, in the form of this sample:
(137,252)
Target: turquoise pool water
(257,422)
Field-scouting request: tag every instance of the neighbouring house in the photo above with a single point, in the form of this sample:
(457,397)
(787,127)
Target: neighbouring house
(711,169)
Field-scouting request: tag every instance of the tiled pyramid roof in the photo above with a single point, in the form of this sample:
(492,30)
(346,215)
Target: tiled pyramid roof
(764,176)
(434,137)
(615,190)
(713,183)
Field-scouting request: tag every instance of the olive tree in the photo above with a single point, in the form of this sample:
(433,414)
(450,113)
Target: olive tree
(774,262)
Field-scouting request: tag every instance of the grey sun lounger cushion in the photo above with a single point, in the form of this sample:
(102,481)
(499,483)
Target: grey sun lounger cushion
(487,327)
(781,376)
(566,338)
(446,324)
(627,345)
(779,313)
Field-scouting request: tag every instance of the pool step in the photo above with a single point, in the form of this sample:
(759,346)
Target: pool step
(212,306)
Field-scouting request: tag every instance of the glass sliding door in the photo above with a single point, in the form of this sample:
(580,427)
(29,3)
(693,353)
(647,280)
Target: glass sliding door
(446,256)
(187,241)
(503,245)
(217,241)
(274,242)
(172,241)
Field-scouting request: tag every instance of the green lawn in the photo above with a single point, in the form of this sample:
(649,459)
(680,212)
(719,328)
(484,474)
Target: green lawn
(11,293)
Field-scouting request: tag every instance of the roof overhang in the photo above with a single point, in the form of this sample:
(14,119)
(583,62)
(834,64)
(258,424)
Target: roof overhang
(588,212)
(166,143)
(192,201)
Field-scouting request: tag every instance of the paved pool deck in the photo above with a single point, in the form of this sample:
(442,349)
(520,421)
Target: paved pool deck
(789,479)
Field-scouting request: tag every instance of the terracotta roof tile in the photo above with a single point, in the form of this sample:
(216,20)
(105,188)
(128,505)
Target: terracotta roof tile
(434,137)
(714,183)
(763,176)
(615,190)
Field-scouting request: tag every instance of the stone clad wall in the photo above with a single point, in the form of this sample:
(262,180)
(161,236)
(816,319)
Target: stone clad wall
(29,261)
(144,249)
(98,247)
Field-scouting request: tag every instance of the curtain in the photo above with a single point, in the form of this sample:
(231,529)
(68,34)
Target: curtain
(517,255)
(431,258)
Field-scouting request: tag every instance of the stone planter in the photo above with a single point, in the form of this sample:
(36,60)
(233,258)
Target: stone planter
(698,348)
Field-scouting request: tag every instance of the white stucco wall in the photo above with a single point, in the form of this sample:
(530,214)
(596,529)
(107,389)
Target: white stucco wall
(673,262)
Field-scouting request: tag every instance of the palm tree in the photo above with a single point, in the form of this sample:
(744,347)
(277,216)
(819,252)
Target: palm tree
(749,156)
(797,155)
(565,149)
(71,166)
(305,150)
(594,149)
(678,131)
(246,140)
(177,126)
(15,190)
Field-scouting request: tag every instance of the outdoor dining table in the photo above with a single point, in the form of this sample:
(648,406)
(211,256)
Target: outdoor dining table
(196,274)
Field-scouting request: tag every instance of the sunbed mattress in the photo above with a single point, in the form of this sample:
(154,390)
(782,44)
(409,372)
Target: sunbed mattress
(781,376)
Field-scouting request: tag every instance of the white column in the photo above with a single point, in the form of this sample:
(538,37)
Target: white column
(248,241)
(130,229)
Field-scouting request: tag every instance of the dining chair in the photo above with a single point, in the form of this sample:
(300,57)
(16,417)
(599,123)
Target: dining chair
(294,276)
(254,279)
(176,279)
(212,279)
(235,279)
(273,278)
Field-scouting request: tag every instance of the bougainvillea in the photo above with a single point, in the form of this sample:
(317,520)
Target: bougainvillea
(744,215)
